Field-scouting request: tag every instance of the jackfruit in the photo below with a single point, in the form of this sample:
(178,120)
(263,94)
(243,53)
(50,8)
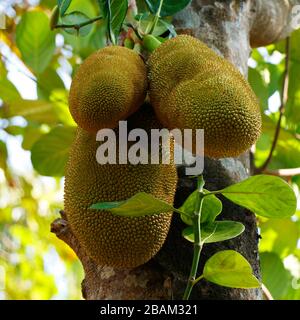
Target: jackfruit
(109,239)
(191,87)
(109,86)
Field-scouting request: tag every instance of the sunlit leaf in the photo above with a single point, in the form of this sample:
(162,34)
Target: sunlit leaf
(35,40)
(33,110)
(215,232)
(230,269)
(50,153)
(274,276)
(30,136)
(3,155)
(47,82)
(59,98)
(211,208)
(259,86)
(287,151)
(268,196)
(141,204)
(280,236)
(292,107)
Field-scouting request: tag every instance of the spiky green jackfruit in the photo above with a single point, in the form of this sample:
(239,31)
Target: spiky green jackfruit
(109,239)
(191,87)
(109,86)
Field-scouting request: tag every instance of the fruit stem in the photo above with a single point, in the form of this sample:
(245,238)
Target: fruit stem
(150,43)
(197,243)
(157,16)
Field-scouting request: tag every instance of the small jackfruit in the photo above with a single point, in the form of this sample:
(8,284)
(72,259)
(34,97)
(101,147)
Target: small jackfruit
(109,86)
(109,239)
(191,87)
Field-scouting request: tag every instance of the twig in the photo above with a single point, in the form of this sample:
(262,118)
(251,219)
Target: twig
(267,294)
(286,173)
(284,98)
(77,26)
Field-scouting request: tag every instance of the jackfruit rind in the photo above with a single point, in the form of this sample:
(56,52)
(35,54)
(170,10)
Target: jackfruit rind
(228,118)
(191,87)
(108,239)
(109,86)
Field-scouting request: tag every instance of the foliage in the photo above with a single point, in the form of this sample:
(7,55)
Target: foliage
(280,238)
(264,195)
(35,57)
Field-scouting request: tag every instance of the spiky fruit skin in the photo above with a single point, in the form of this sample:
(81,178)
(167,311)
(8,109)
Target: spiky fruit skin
(109,239)
(191,87)
(109,86)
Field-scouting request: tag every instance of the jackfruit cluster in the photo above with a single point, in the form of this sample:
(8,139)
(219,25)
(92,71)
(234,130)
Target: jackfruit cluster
(191,87)
(109,239)
(109,86)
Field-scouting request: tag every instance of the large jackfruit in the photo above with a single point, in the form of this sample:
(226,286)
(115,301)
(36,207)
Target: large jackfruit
(108,87)
(108,239)
(191,87)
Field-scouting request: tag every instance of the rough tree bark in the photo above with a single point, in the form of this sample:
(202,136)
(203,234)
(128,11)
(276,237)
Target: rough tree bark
(228,27)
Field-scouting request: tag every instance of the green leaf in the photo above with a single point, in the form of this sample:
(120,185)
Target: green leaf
(84,46)
(292,107)
(59,98)
(267,196)
(32,110)
(107,205)
(275,77)
(274,276)
(76,18)
(54,17)
(35,40)
(50,153)
(3,155)
(169,7)
(103,7)
(280,236)
(215,232)
(87,7)
(141,204)
(141,6)
(259,87)
(64,5)
(287,151)
(230,269)
(117,10)
(211,208)
(48,81)
(145,19)
(8,91)
(30,136)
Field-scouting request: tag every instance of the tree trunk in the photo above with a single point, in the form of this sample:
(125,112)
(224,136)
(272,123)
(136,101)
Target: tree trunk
(228,27)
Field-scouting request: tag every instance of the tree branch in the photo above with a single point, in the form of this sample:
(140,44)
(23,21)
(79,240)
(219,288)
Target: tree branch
(146,282)
(267,294)
(77,26)
(284,98)
(285,173)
